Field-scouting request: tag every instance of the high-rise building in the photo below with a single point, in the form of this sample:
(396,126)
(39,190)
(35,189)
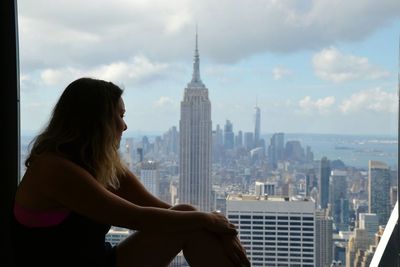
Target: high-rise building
(195,142)
(324,243)
(369,222)
(276,231)
(115,235)
(339,199)
(325,172)
(229,137)
(294,151)
(257,126)
(379,190)
(359,241)
(150,177)
(265,189)
(311,181)
(276,149)
(248,140)
(239,139)
(172,140)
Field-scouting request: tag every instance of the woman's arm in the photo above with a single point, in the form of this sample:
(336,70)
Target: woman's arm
(74,188)
(133,190)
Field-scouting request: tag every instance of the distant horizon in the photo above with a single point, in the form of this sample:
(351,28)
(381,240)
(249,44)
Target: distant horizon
(32,133)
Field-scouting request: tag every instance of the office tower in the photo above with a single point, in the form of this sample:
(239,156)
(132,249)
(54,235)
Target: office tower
(219,136)
(228,135)
(379,190)
(257,154)
(172,140)
(275,231)
(265,189)
(139,152)
(359,241)
(116,235)
(339,253)
(369,222)
(249,140)
(325,172)
(257,126)
(217,145)
(294,151)
(149,176)
(195,142)
(324,243)
(239,139)
(276,149)
(145,145)
(311,181)
(339,199)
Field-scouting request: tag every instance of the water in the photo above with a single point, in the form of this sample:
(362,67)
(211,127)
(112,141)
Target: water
(353,150)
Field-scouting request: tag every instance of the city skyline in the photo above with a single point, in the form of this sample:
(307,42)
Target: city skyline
(306,71)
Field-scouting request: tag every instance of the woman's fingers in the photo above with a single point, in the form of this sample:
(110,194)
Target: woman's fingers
(235,251)
(220,224)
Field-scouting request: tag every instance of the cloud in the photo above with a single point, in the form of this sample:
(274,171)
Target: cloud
(164,101)
(375,100)
(332,65)
(89,33)
(139,69)
(322,105)
(279,72)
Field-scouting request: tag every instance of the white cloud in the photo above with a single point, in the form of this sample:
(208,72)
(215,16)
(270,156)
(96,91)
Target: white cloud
(321,106)
(375,100)
(138,69)
(164,101)
(59,76)
(280,72)
(332,65)
(89,33)
(132,72)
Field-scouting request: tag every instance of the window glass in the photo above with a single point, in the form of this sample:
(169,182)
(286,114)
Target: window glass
(298,104)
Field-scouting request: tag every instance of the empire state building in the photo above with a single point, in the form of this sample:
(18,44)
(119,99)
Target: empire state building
(195,142)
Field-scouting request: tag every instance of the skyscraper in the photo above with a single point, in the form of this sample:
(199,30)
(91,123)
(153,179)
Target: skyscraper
(257,126)
(228,135)
(325,172)
(339,199)
(379,190)
(275,231)
(195,142)
(323,238)
(276,149)
(150,177)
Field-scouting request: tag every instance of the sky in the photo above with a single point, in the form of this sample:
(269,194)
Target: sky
(312,66)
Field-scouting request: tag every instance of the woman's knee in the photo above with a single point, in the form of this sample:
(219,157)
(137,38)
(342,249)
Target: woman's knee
(183,207)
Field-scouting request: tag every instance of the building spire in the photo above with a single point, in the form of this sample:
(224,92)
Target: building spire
(196,80)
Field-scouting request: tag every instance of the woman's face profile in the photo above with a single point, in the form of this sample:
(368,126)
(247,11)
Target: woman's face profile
(121,125)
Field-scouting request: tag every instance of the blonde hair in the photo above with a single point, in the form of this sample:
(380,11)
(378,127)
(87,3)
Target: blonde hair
(83,129)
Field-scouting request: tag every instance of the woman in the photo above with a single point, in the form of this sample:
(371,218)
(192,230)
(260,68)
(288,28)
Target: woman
(75,187)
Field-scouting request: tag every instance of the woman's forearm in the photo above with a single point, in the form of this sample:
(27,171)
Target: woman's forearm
(166,220)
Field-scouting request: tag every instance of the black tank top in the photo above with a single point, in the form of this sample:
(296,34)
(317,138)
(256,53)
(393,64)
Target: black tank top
(77,241)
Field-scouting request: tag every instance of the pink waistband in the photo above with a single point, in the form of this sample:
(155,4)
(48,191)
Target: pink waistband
(30,218)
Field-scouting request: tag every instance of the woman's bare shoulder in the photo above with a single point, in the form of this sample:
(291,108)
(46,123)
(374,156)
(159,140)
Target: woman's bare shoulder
(39,179)
(53,164)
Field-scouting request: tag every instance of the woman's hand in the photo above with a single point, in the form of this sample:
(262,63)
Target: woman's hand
(219,224)
(235,251)
(227,234)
